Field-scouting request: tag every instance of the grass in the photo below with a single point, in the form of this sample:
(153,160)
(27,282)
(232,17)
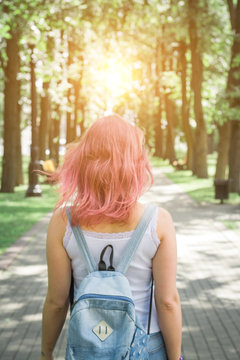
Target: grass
(20,213)
(200,190)
(232,225)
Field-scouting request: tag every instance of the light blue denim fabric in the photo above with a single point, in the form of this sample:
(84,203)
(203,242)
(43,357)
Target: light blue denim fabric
(116,309)
(127,339)
(156,347)
(156,350)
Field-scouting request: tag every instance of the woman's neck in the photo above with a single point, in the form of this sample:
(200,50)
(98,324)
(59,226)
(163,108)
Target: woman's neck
(131,224)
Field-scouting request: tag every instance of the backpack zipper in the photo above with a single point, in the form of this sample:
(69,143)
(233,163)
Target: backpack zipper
(105,297)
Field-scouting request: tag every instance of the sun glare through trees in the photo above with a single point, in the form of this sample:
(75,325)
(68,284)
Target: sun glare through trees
(172,66)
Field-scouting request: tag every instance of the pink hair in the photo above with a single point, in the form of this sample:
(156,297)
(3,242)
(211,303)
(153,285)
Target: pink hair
(104,174)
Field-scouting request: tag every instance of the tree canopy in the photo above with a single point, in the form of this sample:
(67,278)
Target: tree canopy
(170,66)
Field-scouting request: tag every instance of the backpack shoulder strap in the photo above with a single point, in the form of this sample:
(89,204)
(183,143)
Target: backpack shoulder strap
(82,244)
(136,239)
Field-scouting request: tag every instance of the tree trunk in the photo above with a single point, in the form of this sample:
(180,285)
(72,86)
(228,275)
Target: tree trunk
(225,129)
(76,107)
(33,187)
(19,168)
(44,122)
(55,136)
(82,122)
(234,83)
(69,127)
(158,111)
(223,150)
(200,150)
(50,138)
(234,157)
(9,169)
(185,107)
(211,143)
(158,133)
(169,149)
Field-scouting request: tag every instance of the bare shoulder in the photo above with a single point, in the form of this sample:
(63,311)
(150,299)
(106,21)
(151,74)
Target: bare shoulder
(57,225)
(165,223)
(164,216)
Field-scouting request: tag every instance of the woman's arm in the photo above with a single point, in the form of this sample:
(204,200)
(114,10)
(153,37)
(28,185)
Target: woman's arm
(166,294)
(59,279)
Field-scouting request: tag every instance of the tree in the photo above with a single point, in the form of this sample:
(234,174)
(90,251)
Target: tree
(188,131)
(19,167)
(128,56)
(158,107)
(200,148)
(229,127)
(11,97)
(15,16)
(234,101)
(44,121)
(171,116)
(222,110)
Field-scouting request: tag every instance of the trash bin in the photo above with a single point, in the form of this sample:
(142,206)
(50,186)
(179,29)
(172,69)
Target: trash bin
(221,189)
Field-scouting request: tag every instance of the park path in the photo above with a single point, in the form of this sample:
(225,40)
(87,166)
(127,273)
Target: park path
(208,281)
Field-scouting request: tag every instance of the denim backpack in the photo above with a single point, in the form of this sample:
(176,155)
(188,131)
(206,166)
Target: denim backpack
(103,323)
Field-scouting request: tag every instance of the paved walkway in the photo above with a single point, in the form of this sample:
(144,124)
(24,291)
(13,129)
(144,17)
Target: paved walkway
(208,281)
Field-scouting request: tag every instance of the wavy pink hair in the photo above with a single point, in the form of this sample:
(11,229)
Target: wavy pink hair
(104,174)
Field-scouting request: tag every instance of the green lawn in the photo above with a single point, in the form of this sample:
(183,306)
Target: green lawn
(232,225)
(200,190)
(20,213)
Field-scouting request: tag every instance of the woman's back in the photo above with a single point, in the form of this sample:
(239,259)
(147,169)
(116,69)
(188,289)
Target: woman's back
(139,272)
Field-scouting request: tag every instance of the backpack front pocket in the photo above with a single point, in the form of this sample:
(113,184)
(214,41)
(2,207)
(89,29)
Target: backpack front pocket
(101,325)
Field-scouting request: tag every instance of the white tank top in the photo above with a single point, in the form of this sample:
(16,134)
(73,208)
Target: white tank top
(138,273)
